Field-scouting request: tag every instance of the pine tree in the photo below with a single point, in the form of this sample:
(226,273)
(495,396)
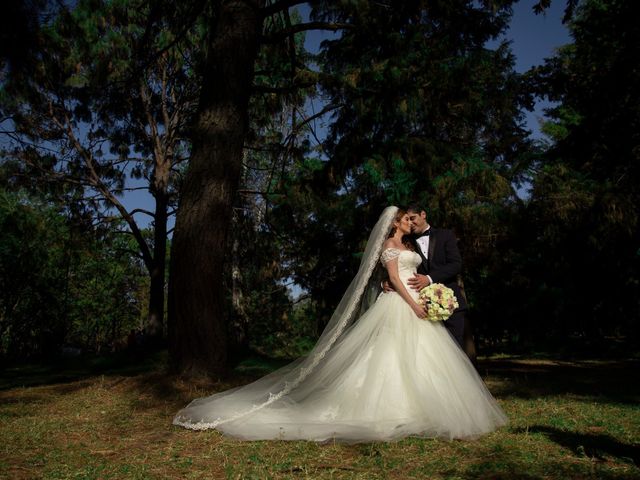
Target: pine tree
(426,111)
(585,194)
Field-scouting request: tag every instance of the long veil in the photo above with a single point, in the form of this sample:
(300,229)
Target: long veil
(231,405)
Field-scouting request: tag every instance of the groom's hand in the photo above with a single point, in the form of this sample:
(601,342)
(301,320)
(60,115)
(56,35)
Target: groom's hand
(387,287)
(418,282)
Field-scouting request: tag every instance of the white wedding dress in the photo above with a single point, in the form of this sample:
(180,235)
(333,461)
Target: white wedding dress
(386,376)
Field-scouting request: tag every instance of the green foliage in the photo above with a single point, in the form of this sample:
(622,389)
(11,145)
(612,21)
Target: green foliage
(60,284)
(398,185)
(260,302)
(32,266)
(103,109)
(108,292)
(565,119)
(426,112)
(423,111)
(429,113)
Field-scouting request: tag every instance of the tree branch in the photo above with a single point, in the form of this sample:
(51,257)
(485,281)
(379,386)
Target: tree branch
(326,109)
(132,189)
(279,6)
(99,185)
(258,192)
(141,210)
(303,27)
(288,89)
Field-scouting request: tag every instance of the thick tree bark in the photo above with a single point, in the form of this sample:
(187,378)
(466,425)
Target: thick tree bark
(197,327)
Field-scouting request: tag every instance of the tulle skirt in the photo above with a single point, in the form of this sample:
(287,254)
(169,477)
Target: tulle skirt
(391,375)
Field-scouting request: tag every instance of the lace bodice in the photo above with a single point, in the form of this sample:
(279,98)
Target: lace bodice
(408,262)
(406,258)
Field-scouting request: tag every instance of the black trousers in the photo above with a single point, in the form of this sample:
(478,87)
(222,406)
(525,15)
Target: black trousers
(455,325)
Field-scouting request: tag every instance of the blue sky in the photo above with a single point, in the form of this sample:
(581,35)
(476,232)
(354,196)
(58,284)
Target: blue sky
(534,38)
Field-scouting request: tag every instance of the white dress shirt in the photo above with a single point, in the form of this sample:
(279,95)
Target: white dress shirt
(423,243)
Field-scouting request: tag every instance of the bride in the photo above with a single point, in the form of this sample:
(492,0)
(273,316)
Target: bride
(378,372)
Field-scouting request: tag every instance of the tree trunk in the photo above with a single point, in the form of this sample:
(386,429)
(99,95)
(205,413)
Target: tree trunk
(197,326)
(238,344)
(155,320)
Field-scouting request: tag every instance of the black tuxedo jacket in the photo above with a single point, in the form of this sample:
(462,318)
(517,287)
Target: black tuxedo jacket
(444,263)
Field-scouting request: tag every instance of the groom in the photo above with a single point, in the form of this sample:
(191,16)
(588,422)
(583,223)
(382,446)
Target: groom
(441,263)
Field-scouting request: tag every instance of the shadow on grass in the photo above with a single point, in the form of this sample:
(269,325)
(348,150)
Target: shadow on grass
(601,380)
(594,446)
(42,398)
(64,371)
(146,376)
(569,348)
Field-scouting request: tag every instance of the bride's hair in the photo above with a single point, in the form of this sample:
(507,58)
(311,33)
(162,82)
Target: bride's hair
(405,238)
(401,213)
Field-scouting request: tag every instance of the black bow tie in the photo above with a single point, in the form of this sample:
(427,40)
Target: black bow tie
(426,233)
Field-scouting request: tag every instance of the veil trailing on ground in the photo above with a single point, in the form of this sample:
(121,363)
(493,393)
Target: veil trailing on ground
(232,405)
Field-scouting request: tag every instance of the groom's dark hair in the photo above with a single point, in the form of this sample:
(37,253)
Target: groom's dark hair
(415,207)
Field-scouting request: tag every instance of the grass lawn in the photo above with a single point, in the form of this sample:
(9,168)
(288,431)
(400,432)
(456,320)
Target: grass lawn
(569,419)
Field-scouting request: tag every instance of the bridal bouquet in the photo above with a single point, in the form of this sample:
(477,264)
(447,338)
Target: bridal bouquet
(439,301)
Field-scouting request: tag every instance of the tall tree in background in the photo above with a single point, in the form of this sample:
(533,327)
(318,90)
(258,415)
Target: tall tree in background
(278,122)
(103,108)
(428,112)
(586,190)
(237,29)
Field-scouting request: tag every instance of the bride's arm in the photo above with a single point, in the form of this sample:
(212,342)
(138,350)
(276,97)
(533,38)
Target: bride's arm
(392,269)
